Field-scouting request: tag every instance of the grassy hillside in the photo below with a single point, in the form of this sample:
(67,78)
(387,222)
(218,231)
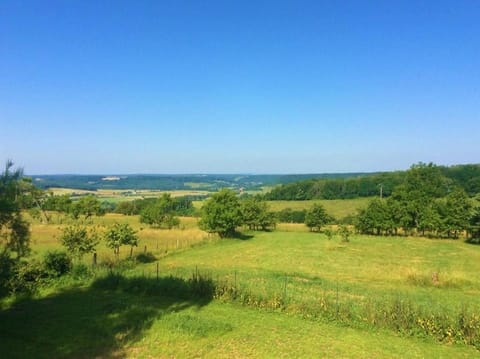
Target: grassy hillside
(287,293)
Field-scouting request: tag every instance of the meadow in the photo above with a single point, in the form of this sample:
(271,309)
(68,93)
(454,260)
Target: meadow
(46,237)
(286,293)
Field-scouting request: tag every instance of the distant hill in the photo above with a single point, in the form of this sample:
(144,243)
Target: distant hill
(286,187)
(207,182)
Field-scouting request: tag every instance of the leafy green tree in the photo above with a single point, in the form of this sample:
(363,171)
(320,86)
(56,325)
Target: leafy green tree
(316,217)
(183,206)
(87,206)
(14,230)
(221,213)
(78,240)
(121,234)
(375,219)
(256,214)
(127,208)
(161,213)
(59,203)
(455,213)
(423,184)
(474,226)
(429,219)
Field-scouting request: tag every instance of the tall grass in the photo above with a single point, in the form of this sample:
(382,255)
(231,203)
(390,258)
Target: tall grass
(333,302)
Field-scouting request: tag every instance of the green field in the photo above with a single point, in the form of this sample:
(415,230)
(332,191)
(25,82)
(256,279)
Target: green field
(287,293)
(46,237)
(115,196)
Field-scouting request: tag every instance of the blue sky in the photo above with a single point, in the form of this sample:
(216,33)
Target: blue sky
(238,86)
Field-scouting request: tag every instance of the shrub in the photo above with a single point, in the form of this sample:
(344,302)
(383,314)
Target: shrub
(28,276)
(345,233)
(78,240)
(328,233)
(57,263)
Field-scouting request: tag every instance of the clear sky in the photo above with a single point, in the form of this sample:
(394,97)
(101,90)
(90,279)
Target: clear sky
(238,86)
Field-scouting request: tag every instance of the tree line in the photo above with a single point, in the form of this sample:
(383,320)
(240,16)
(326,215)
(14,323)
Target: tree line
(466,177)
(182,206)
(224,211)
(426,203)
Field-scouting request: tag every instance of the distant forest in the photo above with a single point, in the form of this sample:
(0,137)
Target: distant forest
(466,177)
(207,182)
(286,187)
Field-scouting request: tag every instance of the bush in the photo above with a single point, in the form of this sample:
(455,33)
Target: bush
(57,263)
(78,240)
(329,233)
(28,276)
(344,233)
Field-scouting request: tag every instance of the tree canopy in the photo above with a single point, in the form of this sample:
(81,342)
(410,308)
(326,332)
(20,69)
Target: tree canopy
(256,214)
(221,213)
(160,213)
(14,230)
(466,177)
(120,234)
(316,217)
(426,203)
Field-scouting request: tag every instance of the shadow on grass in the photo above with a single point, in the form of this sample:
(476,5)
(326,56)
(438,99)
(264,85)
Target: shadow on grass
(99,321)
(474,241)
(242,236)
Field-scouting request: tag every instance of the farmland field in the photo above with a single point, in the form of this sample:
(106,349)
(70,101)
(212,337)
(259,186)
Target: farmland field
(285,285)
(115,196)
